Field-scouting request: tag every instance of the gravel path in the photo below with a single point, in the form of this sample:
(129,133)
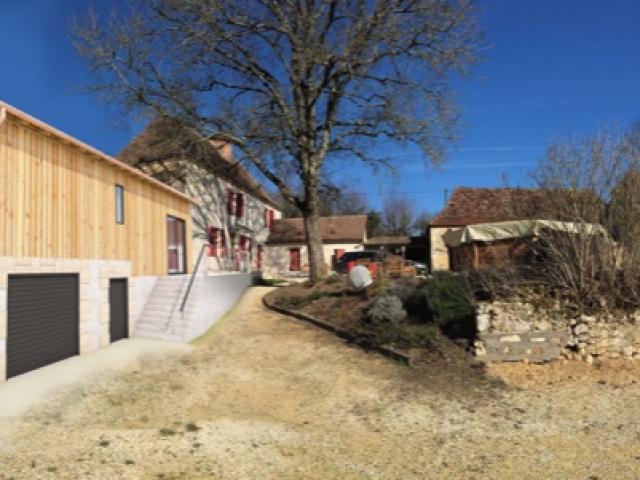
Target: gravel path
(267,397)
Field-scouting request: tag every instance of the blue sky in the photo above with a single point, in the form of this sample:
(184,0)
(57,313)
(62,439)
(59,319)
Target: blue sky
(552,68)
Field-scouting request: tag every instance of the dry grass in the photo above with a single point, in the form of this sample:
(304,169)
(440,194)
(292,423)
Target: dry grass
(267,397)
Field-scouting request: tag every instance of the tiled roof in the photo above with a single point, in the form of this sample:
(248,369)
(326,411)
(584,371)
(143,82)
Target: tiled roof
(468,206)
(163,140)
(388,240)
(345,228)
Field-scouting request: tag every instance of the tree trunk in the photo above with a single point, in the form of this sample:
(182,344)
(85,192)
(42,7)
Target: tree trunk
(314,240)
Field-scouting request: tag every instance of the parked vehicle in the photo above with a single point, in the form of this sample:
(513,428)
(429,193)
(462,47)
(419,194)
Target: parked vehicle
(342,265)
(421,268)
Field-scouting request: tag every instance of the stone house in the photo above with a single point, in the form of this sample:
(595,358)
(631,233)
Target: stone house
(286,246)
(232,213)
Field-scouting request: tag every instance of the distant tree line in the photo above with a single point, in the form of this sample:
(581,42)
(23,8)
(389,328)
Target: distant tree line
(398,216)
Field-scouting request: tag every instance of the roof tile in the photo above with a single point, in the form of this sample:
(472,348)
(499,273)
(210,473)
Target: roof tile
(345,228)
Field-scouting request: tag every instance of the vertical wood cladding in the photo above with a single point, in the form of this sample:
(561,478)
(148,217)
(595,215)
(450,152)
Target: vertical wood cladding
(58,201)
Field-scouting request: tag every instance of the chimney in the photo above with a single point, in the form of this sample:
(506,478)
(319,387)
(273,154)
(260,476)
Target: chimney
(225,150)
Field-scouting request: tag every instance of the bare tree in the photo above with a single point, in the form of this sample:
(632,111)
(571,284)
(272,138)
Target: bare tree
(593,182)
(421,222)
(336,200)
(398,215)
(291,84)
(332,200)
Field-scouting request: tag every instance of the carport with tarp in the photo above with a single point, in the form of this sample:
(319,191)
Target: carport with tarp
(487,245)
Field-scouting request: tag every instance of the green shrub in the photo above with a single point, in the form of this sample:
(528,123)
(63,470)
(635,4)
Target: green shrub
(405,335)
(387,309)
(449,298)
(401,290)
(418,302)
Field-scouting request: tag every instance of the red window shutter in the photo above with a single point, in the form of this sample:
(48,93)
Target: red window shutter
(213,242)
(230,195)
(294,260)
(223,242)
(240,205)
(271,218)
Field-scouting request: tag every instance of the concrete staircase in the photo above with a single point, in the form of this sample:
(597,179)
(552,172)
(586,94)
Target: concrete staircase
(161,318)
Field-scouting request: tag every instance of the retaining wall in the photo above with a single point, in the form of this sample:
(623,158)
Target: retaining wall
(519,330)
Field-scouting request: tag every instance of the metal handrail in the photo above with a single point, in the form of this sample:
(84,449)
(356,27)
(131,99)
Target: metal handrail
(193,276)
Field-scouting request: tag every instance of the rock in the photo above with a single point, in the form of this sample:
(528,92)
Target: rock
(588,319)
(360,277)
(581,328)
(482,322)
(510,338)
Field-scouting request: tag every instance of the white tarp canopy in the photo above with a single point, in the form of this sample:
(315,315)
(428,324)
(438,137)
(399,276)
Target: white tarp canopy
(489,232)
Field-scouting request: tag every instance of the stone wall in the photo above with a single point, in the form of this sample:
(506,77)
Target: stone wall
(93,279)
(597,337)
(519,330)
(439,251)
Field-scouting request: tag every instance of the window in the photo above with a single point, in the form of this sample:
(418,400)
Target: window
(239,205)
(213,241)
(294,259)
(244,243)
(223,242)
(176,251)
(235,203)
(119,204)
(268,218)
(230,195)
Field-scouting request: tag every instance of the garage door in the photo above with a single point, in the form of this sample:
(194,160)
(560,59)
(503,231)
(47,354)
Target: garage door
(42,314)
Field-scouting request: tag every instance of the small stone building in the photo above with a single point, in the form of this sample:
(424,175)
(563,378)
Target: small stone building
(286,249)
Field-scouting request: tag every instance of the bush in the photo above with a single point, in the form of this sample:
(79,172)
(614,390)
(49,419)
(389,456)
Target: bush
(401,290)
(407,336)
(387,309)
(418,302)
(449,298)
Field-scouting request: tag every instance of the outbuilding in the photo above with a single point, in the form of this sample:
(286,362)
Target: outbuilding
(83,239)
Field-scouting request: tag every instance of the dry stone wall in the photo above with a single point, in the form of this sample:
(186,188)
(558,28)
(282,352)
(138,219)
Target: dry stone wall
(519,330)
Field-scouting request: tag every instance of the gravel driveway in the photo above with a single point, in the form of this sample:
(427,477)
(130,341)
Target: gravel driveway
(267,397)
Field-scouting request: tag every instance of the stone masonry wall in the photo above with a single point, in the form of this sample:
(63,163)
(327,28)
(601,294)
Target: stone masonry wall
(518,330)
(93,280)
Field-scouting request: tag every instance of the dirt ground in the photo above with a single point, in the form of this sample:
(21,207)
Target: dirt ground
(268,397)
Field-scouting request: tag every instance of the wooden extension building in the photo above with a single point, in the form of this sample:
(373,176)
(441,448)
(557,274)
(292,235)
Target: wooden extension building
(83,239)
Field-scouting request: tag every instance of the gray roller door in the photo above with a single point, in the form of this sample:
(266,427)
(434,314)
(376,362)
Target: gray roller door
(42,314)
